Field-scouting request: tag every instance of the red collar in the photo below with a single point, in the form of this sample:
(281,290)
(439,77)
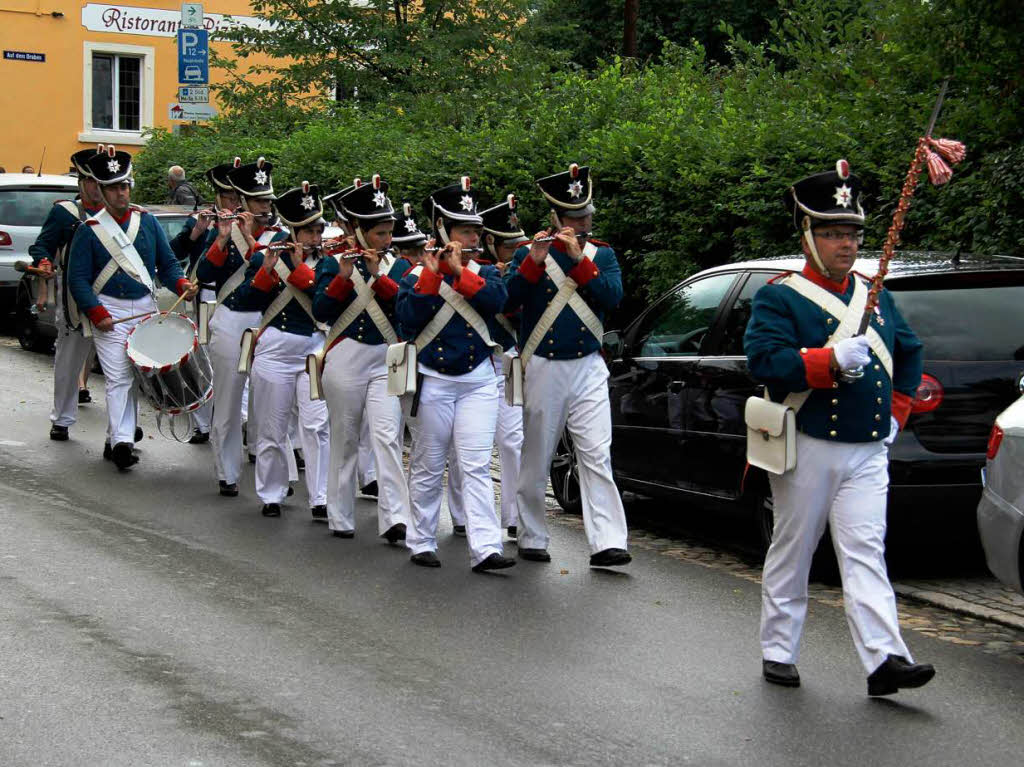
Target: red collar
(92,211)
(124,219)
(819,279)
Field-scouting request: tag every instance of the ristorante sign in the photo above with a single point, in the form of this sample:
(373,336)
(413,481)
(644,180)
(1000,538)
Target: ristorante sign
(153,22)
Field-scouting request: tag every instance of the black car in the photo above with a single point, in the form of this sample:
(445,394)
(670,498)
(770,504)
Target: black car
(679,383)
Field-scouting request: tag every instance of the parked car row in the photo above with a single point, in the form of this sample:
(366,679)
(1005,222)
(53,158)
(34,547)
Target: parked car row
(679,382)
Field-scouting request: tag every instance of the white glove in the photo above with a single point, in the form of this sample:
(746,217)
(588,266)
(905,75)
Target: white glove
(852,353)
(894,429)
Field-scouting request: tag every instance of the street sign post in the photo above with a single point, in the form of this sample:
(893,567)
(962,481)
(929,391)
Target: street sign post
(192,94)
(191,112)
(191,14)
(193,56)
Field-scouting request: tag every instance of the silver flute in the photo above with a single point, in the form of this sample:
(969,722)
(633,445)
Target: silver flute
(552,238)
(464,250)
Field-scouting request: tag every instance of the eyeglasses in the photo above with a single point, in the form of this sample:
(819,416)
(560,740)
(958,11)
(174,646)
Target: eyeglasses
(833,236)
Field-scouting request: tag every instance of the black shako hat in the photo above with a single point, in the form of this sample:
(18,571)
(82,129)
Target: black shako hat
(334,199)
(218,175)
(110,166)
(503,221)
(367,202)
(570,193)
(300,206)
(832,197)
(407,233)
(456,204)
(80,160)
(253,179)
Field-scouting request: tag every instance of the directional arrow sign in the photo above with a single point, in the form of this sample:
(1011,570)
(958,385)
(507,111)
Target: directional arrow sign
(193,56)
(191,14)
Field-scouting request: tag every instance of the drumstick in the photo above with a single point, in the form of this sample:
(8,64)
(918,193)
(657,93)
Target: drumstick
(175,304)
(133,317)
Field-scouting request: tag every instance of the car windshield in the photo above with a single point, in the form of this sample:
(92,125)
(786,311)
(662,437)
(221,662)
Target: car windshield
(29,207)
(966,317)
(172,224)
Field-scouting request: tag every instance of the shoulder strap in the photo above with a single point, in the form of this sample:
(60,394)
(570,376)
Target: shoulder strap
(73,208)
(365,301)
(121,248)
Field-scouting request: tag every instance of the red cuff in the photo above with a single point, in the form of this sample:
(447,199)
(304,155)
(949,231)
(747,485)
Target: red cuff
(264,281)
(429,283)
(180,285)
(97,314)
(469,283)
(901,404)
(817,368)
(339,288)
(385,287)
(531,270)
(302,277)
(215,255)
(45,263)
(584,271)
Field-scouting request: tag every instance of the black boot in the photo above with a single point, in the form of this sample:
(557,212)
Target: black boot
(123,456)
(271,510)
(395,533)
(784,674)
(59,433)
(897,672)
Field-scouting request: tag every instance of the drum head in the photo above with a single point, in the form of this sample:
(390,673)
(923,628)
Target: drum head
(160,340)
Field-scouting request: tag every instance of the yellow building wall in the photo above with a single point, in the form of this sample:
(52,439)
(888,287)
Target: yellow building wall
(42,103)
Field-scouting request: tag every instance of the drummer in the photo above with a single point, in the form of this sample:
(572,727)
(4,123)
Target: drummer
(279,283)
(115,258)
(355,372)
(229,248)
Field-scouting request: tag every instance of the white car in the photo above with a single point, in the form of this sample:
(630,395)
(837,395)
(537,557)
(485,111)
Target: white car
(25,201)
(1001,510)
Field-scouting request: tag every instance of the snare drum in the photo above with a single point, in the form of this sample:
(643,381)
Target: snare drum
(172,368)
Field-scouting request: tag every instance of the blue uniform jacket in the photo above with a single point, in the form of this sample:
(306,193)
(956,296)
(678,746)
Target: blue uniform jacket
(458,348)
(530,288)
(185,249)
(55,233)
(334,294)
(217,266)
(259,289)
(784,345)
(88,257)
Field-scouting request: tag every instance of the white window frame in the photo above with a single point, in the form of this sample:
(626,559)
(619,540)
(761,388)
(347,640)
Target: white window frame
(91,134)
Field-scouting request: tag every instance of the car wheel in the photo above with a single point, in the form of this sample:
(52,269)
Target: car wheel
(28,330)
(565,476)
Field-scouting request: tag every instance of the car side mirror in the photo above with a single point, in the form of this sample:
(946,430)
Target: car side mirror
(612,345)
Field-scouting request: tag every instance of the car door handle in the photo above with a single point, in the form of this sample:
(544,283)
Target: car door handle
(676,386)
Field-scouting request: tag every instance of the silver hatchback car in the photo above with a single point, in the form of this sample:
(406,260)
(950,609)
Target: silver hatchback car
(1001,510)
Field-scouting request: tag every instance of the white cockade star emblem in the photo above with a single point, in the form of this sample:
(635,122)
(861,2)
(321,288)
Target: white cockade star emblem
(410,226)
(379,198)
(576,189)
(307,202)
(113,166)
(843,196)
(467,202)
(513,221)
(261,177)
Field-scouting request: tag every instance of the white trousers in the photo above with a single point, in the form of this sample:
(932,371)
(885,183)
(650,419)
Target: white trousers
(463,415)
(229,390)
(844,485)
(571,394)
(367,462)
(508,436)
(72,350)
(122,399)
(356,389)
(279,381)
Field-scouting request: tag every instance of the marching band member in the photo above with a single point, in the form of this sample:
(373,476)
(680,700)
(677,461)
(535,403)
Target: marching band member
(357,299)
(566,380)
(859,389)
(229,247)
(410,242)
(73,348)
(280,285)
(114,259)
(457,389)
(502,235)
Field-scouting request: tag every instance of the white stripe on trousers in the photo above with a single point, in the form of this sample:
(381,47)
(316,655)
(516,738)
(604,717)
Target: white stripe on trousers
(229,390)
(569,394)
(844,485)
(355,387)
(279,381)
(508,436)
(122,398)
(72,350)
(463,414)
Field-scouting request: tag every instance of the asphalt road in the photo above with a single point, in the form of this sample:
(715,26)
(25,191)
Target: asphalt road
(147,621)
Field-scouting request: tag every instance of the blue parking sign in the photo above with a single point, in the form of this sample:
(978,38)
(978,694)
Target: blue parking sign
(193,56)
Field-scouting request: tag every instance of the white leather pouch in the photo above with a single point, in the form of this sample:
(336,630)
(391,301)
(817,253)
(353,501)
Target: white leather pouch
(771,435)
(205,312)
(401,362)
(512,371)
(248,349)
(316,382)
